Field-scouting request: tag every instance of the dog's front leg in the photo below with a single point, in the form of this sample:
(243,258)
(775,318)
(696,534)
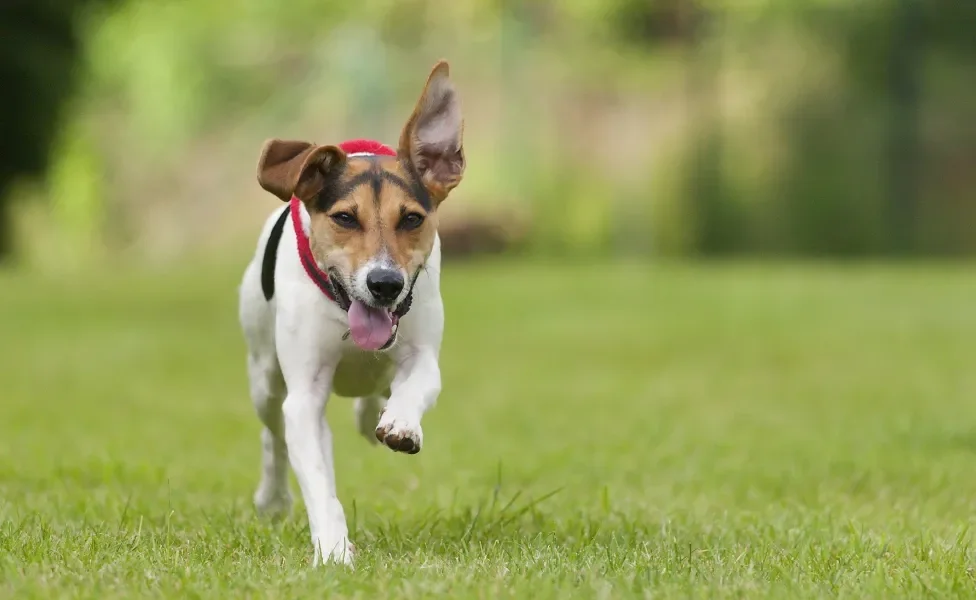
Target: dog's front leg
(415,388)
(308,370)
(309,441)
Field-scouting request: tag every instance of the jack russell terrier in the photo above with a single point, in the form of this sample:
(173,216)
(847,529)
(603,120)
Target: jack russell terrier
(343,297)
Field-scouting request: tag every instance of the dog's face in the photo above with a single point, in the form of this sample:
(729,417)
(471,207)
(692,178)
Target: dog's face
(374,226)
(374,218)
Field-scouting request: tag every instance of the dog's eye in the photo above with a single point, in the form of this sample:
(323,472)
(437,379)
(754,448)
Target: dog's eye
(411,221)
(344,219)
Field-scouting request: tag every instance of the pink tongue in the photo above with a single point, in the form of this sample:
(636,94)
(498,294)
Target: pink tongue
(371,328)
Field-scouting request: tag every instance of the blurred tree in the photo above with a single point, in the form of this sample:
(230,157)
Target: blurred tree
(40,48)
(645,23)
(858,175)
(868,143)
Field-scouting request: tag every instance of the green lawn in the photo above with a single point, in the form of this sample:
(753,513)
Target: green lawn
(604,431)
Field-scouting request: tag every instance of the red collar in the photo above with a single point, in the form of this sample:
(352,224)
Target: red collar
(362,146)
(317,275)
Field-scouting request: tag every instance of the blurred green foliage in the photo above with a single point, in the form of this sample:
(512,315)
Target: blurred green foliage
(40,45)
(608,126)
(873,129)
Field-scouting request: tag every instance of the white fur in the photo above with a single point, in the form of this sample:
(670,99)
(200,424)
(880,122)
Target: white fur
(297,359)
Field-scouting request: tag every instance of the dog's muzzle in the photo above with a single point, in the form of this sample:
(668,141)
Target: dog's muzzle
(371,327)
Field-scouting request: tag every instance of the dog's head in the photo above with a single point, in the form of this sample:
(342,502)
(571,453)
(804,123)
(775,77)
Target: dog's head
(374,218)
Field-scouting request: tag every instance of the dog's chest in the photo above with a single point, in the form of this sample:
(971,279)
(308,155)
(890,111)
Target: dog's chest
(363,374)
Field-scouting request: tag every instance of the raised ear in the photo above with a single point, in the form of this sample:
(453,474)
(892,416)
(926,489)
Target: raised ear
(431,140)
(288,168)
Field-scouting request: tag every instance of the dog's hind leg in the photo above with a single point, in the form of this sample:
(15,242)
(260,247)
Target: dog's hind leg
(368,409)
(272,497)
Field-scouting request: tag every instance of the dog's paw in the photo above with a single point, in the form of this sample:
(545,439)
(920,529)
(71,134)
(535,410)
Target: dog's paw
(333,549)
(400,434)
(272,503)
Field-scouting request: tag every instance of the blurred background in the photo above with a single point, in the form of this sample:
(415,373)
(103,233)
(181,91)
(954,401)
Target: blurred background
(594,128)
(803,411)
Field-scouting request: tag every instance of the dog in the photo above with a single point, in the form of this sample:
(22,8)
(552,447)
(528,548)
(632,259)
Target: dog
(343,297)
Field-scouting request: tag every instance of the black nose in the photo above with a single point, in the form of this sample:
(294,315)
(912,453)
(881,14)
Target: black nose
(384,284)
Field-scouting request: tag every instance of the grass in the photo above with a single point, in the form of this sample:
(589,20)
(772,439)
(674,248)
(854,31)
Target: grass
(604,431)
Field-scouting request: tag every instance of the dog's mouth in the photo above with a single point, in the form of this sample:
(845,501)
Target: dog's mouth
(371,327)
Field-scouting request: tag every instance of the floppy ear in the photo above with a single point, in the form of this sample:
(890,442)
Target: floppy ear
(431,139)
(289,168)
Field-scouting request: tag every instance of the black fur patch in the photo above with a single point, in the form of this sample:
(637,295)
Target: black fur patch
(416,187)
(335,190)
(332,190)
(271,255)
